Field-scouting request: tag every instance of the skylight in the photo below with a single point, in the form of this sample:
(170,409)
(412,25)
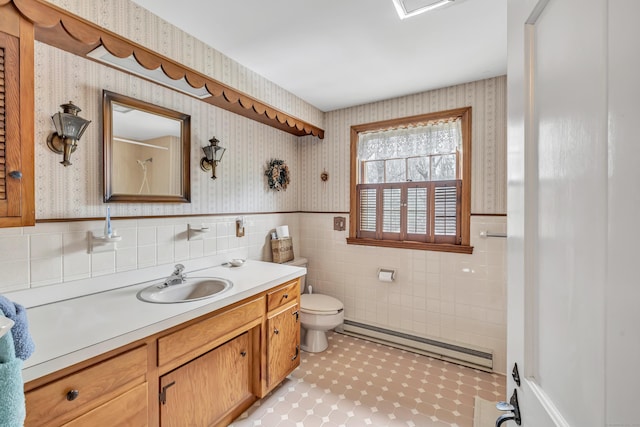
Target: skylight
(409,8)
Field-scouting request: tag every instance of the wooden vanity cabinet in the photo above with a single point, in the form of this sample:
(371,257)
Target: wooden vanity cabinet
(205,390)
(110,392)
(209,369)
(282,334)
(206,371)
(17,195)
(283,344)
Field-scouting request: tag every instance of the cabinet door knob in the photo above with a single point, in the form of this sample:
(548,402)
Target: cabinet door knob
(276,331)
(15,174)
(243,353)
(72,395)
(285,296)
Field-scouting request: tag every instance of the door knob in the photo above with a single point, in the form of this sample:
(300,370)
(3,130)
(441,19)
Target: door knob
(511,406)
(503,418)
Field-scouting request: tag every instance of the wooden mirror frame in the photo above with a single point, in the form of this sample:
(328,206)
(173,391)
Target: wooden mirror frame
(108,98)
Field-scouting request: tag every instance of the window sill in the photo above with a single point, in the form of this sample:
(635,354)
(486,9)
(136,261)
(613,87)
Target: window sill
(440,247)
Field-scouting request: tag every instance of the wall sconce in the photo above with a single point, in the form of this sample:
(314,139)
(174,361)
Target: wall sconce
(213,154)
(69,128)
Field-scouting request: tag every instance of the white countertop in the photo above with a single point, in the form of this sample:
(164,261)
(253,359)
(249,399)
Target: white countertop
(76,329)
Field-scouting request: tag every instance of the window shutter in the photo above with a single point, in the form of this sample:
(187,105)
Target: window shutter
(417,221)
(367,211)
(446,212)
(391,205)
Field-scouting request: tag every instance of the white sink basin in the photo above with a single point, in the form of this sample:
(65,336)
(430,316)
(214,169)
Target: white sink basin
(193,289)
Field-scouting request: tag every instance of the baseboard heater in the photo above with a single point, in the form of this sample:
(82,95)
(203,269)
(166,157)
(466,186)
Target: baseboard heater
(472,357)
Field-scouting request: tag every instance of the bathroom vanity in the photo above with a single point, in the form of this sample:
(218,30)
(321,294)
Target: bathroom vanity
(203,371)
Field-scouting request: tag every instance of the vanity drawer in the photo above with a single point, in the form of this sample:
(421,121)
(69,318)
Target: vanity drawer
(128,409)
(84,390)
(194,340)
(284,294)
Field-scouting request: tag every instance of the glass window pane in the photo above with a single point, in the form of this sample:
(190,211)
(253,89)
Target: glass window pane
(374,172)
(443,167)
(418,169)
(396,170)
(417,210)
(391,210)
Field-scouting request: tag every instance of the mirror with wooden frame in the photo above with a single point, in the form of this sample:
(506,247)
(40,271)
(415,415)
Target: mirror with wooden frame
(146,151)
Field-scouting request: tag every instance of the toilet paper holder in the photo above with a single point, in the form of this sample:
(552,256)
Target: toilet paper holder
(386,274)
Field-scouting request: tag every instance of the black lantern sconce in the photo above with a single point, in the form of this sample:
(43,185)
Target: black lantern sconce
(213,154)
(69,129)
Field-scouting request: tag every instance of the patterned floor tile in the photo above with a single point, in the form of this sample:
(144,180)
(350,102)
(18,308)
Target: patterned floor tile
(357,383)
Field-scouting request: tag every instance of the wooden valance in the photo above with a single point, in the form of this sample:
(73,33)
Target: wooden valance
(59,28)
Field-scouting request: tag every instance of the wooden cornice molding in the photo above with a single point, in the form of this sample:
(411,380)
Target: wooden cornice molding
(59,28)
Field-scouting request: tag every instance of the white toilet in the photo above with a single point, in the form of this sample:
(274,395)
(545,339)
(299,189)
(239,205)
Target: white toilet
(318,314)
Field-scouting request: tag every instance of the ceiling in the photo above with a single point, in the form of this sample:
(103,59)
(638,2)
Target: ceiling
(340,53)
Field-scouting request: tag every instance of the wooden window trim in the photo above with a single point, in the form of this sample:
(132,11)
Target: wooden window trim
(464,114)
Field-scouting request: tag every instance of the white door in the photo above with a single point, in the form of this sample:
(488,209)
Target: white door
(573,87)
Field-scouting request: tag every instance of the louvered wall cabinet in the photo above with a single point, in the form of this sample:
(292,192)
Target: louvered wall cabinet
(17,201)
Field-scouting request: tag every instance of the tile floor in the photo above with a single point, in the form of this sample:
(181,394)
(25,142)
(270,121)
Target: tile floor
(360,383)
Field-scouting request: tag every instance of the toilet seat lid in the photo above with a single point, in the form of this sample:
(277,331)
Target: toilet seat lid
(320,304)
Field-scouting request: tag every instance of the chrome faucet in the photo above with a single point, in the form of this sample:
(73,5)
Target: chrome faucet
(176,277)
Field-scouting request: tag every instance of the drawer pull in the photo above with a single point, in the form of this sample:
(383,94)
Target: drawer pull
(285,296)
(243,353)
(72,395)
(276,331)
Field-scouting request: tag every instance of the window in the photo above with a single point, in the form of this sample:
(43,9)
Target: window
(410,182)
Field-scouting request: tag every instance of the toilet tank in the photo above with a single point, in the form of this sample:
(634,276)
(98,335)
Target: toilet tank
(299,262)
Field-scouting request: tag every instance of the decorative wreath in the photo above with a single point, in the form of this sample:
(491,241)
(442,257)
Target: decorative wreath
(277,174)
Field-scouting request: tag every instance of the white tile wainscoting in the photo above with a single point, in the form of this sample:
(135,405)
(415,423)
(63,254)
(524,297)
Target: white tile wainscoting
(455,297)
(56,252)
